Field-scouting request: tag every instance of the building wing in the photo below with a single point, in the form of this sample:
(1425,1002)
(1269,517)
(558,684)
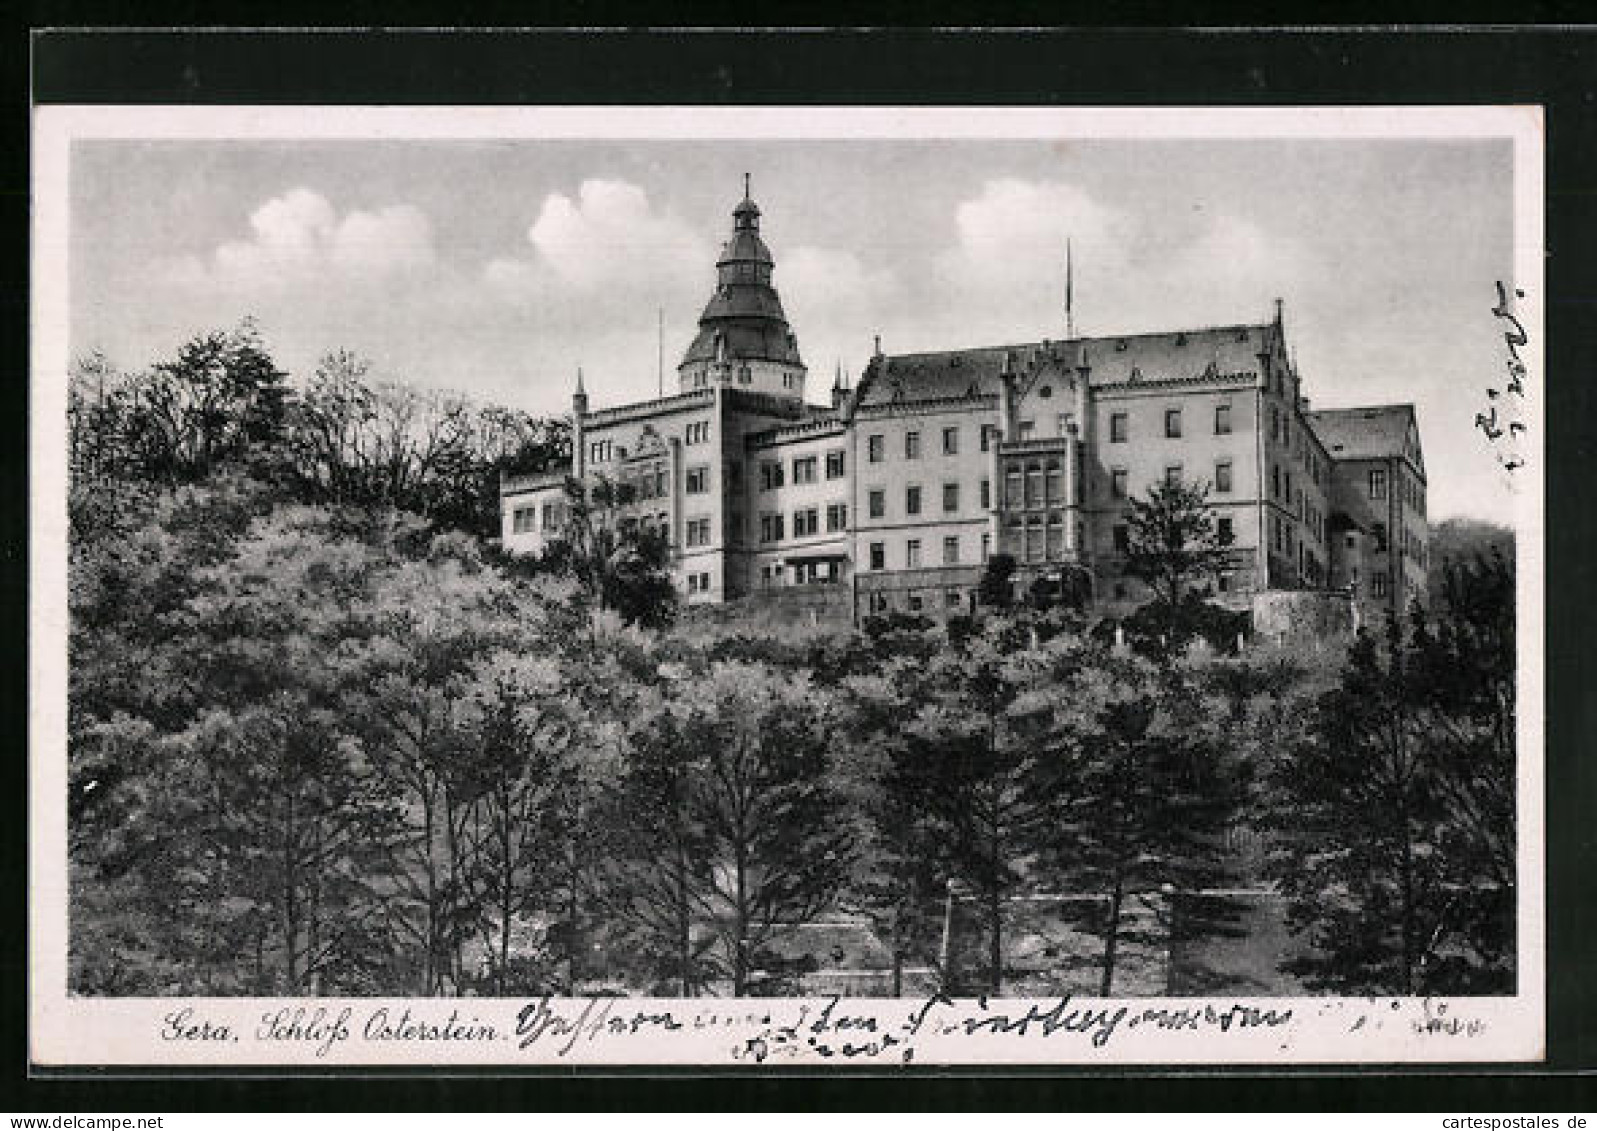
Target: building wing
(1371,432)
(1181,355)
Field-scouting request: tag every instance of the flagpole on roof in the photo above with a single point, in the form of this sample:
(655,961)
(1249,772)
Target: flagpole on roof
(1070,292)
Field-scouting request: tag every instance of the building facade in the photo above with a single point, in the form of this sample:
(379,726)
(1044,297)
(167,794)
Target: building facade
(895,493)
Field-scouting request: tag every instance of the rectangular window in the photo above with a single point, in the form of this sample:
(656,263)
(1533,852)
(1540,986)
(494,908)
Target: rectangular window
(1122,538)
(1034,536)
(1379,534)
(1172,423)
(1224,530)
(806,522)
(1012,487)
(912,445)
(1027,429)
(951,550)
(875,448)
(878,555)
(912,500)
(770,475)
(1067,423)
(693,583)
(524,519)
(950,441)
(1222,477)
(986,546)
(1118,428)
(952,599)
(548,515)
(772,527)
(697,481)
(1118,483)
(1377,483)
(698,532)
(1378,583)
(986,437)
(912,554)
(1172,474)
(1222,420)
(877,501)
(804,470)
(950,497)
(836,516)
(699,432)
(834,464)
(1275,482)
(986,494)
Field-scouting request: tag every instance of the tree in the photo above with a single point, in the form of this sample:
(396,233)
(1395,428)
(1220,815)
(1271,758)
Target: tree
(1172,542)
(1462,541)
(352,439)
(771,820)
(1395,817)
(1151,788)
(221,400)
(982,773)
(996,589)
(617,564)
(904,860)
(662,885)
(525,832)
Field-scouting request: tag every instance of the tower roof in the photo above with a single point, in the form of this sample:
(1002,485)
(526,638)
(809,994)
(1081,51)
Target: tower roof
(744,317)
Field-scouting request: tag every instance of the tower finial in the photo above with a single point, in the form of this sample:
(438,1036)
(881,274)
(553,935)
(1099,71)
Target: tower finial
(748,193)
(581,392)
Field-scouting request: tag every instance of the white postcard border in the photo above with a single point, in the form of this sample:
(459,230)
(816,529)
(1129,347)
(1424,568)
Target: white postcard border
(68,1031)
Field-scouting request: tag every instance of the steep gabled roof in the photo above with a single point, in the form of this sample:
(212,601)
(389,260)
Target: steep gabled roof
(1172,355)
(1371,432)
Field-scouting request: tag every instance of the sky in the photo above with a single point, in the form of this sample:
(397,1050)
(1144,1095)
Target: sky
(496,268)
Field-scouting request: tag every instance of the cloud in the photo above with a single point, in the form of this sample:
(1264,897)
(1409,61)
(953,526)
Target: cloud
(299,238)
(609,238)
(1004,275)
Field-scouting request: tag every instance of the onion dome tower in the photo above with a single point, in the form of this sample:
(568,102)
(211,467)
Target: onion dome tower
(744,340)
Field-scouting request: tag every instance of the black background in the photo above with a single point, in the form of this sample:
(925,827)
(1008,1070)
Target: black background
(1127,65)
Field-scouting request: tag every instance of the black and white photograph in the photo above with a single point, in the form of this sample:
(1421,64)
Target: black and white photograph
(765,586)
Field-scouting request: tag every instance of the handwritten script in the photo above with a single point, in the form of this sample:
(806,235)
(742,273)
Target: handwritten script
(812,1031)
(1503,421)
(826,1030)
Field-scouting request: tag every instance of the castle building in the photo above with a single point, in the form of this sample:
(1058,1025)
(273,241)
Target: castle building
(895,493)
